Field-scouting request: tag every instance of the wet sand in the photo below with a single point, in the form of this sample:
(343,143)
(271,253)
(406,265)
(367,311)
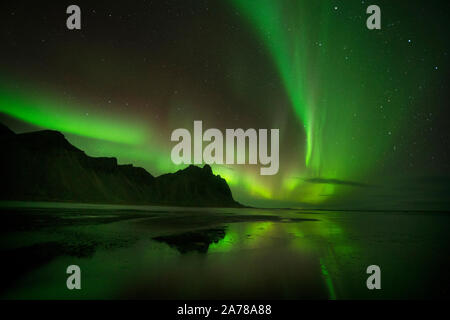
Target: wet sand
(192,253)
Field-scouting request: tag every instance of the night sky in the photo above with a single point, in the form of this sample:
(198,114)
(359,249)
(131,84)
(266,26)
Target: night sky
(363,114)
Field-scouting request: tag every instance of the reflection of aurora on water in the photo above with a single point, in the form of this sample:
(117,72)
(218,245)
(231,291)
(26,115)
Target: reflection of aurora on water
(252,253)
(325,238)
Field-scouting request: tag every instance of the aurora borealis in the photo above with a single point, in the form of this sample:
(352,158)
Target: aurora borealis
(362,113)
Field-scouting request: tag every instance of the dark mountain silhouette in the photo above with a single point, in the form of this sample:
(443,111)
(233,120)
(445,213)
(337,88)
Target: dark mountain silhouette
(44,166)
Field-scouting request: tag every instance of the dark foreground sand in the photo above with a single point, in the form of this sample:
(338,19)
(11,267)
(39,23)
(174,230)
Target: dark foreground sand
(188,253)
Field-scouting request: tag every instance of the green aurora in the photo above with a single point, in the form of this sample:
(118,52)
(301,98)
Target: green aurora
(327,93)
(353,94)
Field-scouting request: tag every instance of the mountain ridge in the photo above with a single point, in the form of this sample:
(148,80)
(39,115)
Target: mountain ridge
(45,166)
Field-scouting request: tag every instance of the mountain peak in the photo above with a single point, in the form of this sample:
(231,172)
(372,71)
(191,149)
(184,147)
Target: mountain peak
(47,140)
(207,169)
(195,169)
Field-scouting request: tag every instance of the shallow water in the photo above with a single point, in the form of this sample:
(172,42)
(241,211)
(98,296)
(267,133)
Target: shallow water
(203,253)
